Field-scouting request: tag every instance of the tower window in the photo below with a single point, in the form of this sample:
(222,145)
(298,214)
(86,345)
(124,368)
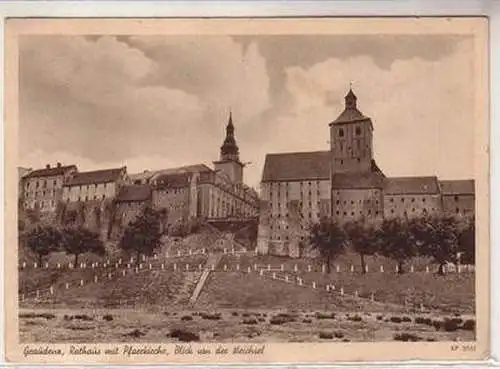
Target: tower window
(358,131)
(341,132)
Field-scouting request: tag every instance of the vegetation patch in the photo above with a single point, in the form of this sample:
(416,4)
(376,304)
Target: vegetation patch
(249,321)
(326,335)
(325,316)
(108,317)
(355,318)
(136,333)
(395,319)
(469,325)
(47,316)
(406,337)
(211,316)
(184,336)
(187,318)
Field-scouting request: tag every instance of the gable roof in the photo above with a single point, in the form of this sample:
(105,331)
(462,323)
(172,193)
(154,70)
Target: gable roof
(457,187)
(134,193)
(52,171)
(96,176)
(297,166)
(411,185)
(362,180)
(173,180)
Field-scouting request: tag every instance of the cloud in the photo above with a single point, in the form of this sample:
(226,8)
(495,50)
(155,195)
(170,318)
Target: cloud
(421,110)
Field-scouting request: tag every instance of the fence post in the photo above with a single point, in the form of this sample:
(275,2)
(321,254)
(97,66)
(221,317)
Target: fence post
(178,252)
(35,265)
(397,268)
(300,281)
(190,252)
(150,266)
(327,288)
(255,267)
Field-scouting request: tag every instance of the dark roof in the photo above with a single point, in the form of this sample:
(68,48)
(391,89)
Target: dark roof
(174,180)
(96,176)
(411,185)
(297,166)
(350,115)
(373,179)
(134,193)
(52,171)
(457,187)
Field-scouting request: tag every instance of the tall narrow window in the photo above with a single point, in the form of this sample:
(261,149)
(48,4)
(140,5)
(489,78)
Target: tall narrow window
(358,131)
(341,132)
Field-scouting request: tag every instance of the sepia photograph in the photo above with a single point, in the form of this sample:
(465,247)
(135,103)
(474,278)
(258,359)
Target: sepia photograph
(246,190)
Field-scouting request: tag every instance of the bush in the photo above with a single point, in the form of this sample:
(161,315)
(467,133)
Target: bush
(306,321)
(108,317)
(406,337)
(422,320)
(326,335)
(346,340)
(245,315)
(437,324)
(355,318)
(380,317)
(234,313)
(47,316)
(250,321)
(431,340)
(450,325)
(469,325)
(184,336)
(325,316)
(396,319)
(187,317)
(261,319)
(406,319)
(338,334)
(208,316)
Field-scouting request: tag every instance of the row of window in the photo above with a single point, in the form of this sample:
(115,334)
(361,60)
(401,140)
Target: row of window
(357,131)
(89,198)
(41,183)
(368,201)
(40,193)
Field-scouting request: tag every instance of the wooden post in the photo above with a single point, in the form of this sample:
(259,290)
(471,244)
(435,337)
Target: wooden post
(150,266)
(255,267)
(372,297)
(397,268)
(178,252)
(190,252)
(300,281)
(327,288)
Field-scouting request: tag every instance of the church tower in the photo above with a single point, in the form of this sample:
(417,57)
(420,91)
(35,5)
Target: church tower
(351,139)
(229,161)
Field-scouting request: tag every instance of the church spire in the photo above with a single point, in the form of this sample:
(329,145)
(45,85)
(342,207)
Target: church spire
(229,149)
(350,99)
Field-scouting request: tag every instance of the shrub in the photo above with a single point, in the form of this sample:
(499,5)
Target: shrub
(338,334)
(431,339)
(234,313)
(422,320)
(396,319)
(245,315)
(380,317)
(469,325)
(250,321)
(261,319)
(47,316)
(450,325)
(184,336)
(208,316)
(326,335)
(346,340)
(406,319)
(108,317)
(187,317)
(306,321)
(355,318)
(83,317)
(166,313)
(406,337)
(325,316)
(437,324)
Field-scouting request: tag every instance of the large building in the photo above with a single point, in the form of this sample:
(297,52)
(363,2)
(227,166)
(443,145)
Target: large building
(344,183)
(42,189)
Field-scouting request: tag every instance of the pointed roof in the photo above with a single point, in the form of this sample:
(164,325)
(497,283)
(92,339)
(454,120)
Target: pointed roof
(229,147)
(351,112)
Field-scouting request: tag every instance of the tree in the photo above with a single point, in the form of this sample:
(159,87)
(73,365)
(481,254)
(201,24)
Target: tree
(42,240)
(438,239)
(362,238)
(329,238)
(395,239)
(467,242)
(143,235)
(78,240)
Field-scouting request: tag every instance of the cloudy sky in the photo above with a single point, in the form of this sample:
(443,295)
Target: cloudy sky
(154,102)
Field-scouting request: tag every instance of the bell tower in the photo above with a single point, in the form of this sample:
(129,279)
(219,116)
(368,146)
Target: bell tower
(351,139)
(229,160)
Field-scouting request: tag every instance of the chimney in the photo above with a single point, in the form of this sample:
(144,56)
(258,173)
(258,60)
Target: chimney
(47,166)
(59,165)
